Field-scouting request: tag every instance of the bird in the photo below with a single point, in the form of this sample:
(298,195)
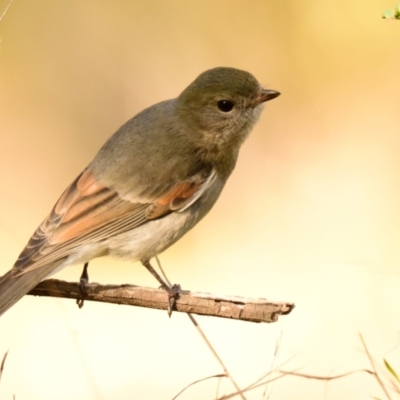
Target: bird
(150,183)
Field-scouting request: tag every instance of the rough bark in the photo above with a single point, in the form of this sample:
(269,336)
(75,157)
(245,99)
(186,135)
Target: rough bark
(241,308)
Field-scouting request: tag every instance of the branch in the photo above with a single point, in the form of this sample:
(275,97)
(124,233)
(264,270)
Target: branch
(245,309)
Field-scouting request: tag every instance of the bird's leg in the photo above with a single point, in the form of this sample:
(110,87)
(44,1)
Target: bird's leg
(83,281)
(173,291)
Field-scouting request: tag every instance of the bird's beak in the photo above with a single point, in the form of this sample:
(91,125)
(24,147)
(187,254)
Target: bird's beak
(266,95)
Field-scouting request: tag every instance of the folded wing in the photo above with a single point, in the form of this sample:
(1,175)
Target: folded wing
(88,212)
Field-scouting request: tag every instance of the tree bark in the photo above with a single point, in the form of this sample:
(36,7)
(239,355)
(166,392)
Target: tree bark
(241,308)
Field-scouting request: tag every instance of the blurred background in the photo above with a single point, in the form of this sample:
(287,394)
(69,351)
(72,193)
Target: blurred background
(310,215)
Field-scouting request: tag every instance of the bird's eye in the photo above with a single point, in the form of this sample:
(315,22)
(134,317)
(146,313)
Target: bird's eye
(225,105)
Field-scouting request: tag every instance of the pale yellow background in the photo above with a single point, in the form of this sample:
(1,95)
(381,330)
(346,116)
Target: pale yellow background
(310,215)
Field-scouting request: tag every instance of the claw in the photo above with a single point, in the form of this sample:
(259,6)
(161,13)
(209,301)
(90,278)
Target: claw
(173,295)
(83,281)
(173,291)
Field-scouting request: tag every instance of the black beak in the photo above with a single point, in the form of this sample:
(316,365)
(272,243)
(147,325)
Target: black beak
(266,95)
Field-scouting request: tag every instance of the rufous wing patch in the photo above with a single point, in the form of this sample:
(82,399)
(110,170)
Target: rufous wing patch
(88,212)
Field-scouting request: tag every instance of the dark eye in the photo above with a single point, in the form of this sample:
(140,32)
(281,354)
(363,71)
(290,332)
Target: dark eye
(225,105)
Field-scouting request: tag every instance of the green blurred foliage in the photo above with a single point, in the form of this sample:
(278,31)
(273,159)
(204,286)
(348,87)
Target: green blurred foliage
(392,13)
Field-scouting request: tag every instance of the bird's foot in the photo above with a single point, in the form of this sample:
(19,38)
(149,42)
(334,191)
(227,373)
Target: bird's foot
(83,281)
(173,291)
(173,294)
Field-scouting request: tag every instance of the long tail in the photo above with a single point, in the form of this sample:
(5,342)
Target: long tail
(13,288)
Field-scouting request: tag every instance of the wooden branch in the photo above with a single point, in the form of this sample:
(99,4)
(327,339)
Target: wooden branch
(245,309)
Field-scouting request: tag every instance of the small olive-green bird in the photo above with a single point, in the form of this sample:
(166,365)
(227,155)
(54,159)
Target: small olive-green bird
(150,183)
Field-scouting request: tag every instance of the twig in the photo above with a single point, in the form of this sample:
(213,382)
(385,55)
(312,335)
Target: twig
(241,308)
(371,360)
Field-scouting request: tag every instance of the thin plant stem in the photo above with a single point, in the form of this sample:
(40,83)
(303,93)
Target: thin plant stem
(209,345)
(371,360)
(216,355)
(6,9)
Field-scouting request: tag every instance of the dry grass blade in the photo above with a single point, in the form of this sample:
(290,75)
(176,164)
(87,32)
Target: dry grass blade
(209,345)
(259,382)
(162,271)
(295,373)
(251,387)
(268,388)
(374,368)
(6,9)
(267,374)
(215,354)
(395,346)
(3,363)
(198,381)
(325,378)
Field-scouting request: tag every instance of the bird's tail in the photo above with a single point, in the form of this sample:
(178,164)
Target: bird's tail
(13,288)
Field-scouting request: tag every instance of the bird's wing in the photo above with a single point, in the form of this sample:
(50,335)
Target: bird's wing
(88,212)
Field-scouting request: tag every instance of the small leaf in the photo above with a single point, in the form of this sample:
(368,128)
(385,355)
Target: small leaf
(391,370)
(397,11)
(388,14)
